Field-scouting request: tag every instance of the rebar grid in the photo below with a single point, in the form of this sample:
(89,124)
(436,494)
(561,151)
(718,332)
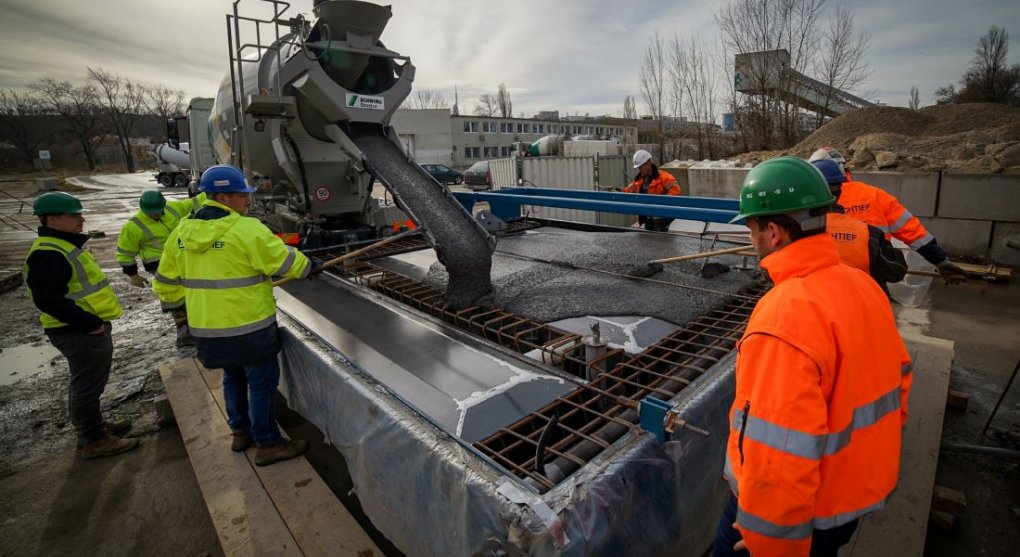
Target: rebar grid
(590,418)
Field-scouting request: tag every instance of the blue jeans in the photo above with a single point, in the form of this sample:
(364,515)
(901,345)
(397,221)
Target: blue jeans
(824,543)
(256,413)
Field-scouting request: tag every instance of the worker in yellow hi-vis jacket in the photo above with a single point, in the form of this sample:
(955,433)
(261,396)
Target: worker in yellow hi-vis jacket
(143,237)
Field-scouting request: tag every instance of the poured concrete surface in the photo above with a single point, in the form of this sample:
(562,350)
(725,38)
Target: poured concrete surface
(549,292)
(468,389)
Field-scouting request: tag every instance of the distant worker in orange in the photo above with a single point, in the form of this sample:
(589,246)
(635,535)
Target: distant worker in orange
(822,378)
(653,181)
(881,209)
(860,244)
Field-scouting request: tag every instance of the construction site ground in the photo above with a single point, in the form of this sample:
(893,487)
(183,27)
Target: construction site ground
(148,502)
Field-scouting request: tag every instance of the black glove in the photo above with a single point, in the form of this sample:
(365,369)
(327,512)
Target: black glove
(951,273)
(316,266)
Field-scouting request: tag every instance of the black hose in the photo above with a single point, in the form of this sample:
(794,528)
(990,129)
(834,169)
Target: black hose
(543,440)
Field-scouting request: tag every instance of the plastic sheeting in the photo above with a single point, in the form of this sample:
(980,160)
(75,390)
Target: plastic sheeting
(430,494)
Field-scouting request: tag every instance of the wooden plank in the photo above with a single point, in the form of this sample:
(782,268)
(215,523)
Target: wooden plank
(245,518)
(899,530)
(319,522)
(949,500)
(990,272)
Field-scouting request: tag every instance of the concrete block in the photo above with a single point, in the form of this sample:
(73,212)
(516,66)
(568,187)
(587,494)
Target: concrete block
(715,182)
(917,192)
(980,197)
(1002,254)
(961,236)
(10,279)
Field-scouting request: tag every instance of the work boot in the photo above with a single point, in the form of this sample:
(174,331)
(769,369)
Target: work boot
(107,445)
(184,337)
(117,427)
(240,441)
(284,449)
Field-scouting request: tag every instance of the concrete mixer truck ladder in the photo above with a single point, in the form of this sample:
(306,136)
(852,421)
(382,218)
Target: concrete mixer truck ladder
(244,53)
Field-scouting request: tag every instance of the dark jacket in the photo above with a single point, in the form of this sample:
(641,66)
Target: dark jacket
(48,275)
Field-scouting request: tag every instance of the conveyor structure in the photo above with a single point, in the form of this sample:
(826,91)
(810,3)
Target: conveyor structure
(770,73)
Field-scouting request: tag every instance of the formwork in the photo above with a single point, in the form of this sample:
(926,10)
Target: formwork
(482,431)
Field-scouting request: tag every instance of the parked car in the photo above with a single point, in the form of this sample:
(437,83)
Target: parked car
(478,176)
(443,174)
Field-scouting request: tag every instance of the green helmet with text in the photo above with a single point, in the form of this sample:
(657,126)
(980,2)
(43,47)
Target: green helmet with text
(784,185)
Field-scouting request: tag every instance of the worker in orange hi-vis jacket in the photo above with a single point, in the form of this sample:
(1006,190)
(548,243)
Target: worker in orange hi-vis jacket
(652,180)
(822,379)
(881,209)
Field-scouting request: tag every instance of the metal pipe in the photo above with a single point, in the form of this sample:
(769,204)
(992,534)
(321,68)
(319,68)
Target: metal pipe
(1001,397)
(980,449)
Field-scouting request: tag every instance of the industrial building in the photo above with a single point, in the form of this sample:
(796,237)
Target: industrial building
(438,136)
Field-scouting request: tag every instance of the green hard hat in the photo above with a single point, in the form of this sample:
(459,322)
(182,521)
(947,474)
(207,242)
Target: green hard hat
(782,185)
(57,203)
(152,201)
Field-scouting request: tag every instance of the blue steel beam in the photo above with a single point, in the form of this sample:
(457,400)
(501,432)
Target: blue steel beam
(506,203)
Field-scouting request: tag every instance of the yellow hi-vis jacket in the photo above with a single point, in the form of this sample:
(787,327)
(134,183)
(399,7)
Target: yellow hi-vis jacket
(88,286)
(221,270)
(144,237)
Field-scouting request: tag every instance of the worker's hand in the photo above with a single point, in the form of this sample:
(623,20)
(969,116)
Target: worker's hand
(739,546)
(951,273)
(317,266)
(137,280)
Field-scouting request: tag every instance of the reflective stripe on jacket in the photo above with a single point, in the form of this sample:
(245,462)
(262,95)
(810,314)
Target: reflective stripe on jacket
(663,184)
(821,391)
(883,210)
(88,286)
(221,270)
(144,237)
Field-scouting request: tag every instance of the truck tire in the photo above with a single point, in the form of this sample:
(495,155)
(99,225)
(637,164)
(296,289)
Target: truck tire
(180,180)
(165,180)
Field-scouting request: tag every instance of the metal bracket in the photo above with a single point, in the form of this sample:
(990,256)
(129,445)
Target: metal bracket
(660,419)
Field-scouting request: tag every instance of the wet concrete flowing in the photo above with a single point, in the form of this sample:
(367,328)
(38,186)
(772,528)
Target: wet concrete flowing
(563,289)
(463,248)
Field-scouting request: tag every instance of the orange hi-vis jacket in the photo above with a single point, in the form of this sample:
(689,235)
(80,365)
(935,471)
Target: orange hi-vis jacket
(663,184)
(881,209)
(851,237)
(821,399)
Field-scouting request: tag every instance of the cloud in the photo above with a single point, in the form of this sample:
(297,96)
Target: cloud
(567,55)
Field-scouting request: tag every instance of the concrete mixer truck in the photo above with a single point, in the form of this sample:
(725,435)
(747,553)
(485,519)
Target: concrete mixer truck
(305,111)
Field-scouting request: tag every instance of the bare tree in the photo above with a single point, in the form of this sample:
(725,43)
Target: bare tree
(487,105)
(164,103)
(503,101)
(841,63)
(989,78)
(123,102)
(21,123)
(652,81)
(770,27)
(78,106)
(915,98)
(629,111)
(424,99)
(691,71)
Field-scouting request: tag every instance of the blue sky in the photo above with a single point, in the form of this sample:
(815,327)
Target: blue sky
(568,55)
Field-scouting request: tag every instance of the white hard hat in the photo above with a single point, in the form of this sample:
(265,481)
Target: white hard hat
(641,157)
(828,153)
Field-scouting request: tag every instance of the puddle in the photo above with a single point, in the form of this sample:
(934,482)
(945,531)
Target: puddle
(23,361)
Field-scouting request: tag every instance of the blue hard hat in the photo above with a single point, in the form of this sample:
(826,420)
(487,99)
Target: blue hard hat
(223,178)
(831,171)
